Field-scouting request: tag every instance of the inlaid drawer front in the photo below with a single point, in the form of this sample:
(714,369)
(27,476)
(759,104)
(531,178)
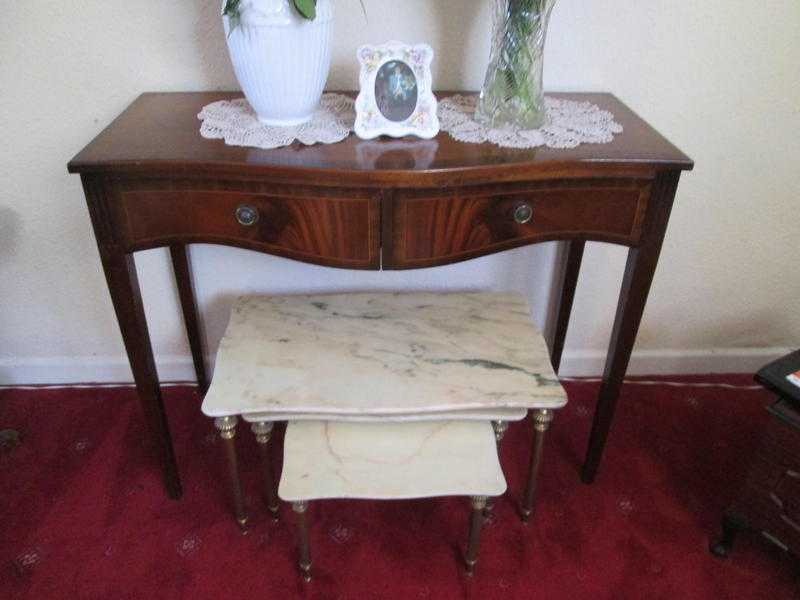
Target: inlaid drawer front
(331,231)
(434,230)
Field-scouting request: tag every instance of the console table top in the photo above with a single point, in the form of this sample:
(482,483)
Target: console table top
(161,131)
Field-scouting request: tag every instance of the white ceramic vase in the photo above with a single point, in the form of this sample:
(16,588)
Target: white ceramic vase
(281,59)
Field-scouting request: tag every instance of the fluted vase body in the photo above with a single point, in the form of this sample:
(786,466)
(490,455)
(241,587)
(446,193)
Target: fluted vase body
(512,93)
(281,59)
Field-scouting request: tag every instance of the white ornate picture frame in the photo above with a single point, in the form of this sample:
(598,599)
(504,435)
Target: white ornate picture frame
(396,97)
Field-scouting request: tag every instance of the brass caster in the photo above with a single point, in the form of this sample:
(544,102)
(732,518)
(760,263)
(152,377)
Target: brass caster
(305,571)
(242,522)
(470,568)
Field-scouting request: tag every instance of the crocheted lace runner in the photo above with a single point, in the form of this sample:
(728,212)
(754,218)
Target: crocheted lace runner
(568,124)
(236,123)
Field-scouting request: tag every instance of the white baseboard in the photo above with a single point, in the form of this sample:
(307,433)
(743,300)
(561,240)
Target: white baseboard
(87,369)
(67,370)
(674,362)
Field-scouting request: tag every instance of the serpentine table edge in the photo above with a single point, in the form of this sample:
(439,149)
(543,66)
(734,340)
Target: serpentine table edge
(151,180)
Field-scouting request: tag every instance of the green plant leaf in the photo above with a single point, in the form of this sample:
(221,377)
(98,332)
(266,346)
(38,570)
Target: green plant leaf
(307,8)
(231,11)
(231,8)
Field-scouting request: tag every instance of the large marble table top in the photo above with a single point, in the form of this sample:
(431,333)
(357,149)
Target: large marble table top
(385,461)
(381,354)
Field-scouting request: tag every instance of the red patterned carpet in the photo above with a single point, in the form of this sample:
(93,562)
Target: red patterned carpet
(82,513)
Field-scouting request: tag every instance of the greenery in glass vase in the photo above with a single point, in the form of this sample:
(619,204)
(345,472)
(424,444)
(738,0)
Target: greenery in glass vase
(512,93)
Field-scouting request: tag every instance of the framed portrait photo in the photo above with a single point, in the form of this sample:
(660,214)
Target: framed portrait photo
(396,97)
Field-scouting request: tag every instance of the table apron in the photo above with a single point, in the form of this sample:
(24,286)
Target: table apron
(361,228)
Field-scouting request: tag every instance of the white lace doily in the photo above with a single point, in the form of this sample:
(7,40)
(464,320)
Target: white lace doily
(568,124)
(236,123)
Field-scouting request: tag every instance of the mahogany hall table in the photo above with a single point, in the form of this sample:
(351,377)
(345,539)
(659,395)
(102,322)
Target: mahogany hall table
(151,180)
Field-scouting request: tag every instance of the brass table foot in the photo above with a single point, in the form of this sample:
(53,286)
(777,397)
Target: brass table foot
(263,433)
(300,509)
(274,512)
(475,524)
(541,423)
(242,522)
(305,572)
(227,431)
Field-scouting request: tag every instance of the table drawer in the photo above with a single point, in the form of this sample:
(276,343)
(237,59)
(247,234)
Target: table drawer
(437,229)
(334,231)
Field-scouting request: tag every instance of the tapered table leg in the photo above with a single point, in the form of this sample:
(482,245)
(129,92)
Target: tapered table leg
(304,549)
(227,431)
(263,432)
(636,282)
(194,332)
(564,289)
(475,524)
(123,285)
(541,423)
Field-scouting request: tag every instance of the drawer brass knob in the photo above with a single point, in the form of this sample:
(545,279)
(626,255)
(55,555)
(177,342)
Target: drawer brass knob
(247,215)
(523,213)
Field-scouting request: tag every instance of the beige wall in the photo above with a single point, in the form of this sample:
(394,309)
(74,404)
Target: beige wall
(718,77)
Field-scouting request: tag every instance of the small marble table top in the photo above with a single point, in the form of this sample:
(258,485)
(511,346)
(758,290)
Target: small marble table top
(489,414)
(386,461)
(381,354)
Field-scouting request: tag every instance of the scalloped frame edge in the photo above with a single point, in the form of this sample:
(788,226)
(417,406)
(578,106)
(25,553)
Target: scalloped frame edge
(370,123)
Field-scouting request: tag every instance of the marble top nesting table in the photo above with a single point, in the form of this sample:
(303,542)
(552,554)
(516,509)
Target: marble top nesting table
(387,396)
(382,357)
(390,461)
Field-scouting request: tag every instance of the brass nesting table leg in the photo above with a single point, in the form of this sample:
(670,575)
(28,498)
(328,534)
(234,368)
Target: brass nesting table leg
(475,524)
(263,433)
(500,428)
(227,431)
(541,423)
(301,509)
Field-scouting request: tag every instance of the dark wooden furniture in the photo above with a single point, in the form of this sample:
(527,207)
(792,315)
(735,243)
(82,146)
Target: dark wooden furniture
(774,378)
(151,180)
(770,500)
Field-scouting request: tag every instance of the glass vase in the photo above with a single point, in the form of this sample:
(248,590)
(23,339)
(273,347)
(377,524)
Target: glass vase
(512,93)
